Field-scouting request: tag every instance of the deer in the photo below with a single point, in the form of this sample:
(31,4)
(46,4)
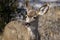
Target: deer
(32,14)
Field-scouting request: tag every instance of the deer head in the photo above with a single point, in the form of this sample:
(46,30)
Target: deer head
(31,14)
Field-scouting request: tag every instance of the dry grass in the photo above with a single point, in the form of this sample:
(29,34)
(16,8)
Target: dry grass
(49,25)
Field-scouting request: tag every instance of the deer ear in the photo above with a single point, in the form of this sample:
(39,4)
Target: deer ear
(42,12)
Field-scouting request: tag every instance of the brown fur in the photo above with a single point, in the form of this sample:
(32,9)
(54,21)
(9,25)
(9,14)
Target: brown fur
(16,31)
(32,13)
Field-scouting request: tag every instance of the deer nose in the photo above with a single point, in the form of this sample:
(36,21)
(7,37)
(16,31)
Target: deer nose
(28,24)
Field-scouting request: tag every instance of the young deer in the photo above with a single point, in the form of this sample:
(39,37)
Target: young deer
(31,13)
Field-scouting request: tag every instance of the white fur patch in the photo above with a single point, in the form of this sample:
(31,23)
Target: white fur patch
(27,19)
(31,33)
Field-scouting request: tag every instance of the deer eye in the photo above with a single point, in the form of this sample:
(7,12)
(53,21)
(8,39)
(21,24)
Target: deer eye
(34,17)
